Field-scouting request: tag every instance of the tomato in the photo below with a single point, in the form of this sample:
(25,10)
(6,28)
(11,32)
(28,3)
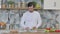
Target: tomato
(48,28)
(57,30)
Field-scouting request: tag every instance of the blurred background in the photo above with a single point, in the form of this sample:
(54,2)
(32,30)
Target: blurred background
(11,12)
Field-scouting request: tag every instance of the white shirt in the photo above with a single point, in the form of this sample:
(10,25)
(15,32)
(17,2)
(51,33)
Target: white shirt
(31,20)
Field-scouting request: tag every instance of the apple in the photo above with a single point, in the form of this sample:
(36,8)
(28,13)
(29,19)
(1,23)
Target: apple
(57,30)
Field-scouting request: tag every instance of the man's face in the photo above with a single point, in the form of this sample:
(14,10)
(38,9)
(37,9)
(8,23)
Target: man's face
(31,8)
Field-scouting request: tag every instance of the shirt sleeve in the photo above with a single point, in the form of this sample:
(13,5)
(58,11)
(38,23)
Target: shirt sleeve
(39,21)
(22,21)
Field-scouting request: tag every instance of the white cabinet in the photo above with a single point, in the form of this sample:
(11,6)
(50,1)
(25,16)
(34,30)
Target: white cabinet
(0,3)
(51,4)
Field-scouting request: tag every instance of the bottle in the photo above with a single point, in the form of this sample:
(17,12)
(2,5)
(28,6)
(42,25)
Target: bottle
(16,5)
(3,3)
(23,4)
(57,26)
(19,4)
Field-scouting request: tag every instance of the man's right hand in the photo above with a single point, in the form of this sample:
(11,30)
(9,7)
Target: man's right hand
(27,28)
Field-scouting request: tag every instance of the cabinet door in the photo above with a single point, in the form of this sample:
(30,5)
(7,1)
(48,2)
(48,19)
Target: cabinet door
(0,3)
(57,4)
(51,4)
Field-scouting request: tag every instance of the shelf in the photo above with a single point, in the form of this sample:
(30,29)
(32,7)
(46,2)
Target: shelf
(18,8)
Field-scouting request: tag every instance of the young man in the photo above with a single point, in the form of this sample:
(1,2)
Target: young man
(31,19)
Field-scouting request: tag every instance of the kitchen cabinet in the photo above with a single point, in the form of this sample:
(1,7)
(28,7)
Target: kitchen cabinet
(51,4)
(0,3)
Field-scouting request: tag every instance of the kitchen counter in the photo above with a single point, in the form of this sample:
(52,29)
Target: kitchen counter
(33,33)
(41,31)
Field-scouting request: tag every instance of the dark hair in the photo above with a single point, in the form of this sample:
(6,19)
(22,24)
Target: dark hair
(30,4)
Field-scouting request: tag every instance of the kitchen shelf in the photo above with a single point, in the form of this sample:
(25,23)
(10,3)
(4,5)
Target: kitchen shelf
(18,8)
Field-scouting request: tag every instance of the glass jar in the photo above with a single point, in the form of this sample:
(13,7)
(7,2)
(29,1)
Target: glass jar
(3,6)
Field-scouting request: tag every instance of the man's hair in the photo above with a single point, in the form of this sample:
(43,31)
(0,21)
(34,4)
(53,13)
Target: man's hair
(30,4)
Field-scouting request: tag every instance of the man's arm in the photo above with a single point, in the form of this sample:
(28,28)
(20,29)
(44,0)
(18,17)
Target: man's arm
(39,21)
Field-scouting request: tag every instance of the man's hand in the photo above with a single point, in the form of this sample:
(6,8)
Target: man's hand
(34,28)
(27,28)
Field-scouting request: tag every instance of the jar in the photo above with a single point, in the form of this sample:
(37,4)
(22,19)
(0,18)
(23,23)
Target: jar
(3,6)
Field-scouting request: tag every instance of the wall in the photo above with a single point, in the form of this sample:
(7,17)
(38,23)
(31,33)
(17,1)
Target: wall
(49,17)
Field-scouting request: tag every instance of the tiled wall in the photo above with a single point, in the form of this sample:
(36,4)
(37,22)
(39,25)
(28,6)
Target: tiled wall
(13,17)
(49,17)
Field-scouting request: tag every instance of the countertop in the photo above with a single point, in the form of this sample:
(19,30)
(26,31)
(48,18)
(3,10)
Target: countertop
(34,33)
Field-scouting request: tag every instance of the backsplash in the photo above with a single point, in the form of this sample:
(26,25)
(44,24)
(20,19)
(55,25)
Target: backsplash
(12,17)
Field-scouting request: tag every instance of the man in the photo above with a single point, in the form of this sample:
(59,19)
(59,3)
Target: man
(31,19)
